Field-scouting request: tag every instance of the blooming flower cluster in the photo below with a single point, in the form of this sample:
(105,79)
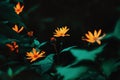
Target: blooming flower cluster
(59,32)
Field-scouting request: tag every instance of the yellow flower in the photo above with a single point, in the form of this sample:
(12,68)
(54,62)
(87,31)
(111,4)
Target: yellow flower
(92,38)
(18,8)
(15,28)
(61,32)
(34,55)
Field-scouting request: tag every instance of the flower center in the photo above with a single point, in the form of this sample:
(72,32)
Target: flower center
(35,56)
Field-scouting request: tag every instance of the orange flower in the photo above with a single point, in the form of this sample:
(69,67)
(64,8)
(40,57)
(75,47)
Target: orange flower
(34,55)
(61,32)
(30,33)
(18,8)
(13,47)
(15,28)
(92,38)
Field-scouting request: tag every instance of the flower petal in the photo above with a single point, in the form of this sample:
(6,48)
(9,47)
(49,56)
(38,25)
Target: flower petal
(95,33)
(90,34)
(98,41)
(99,32)
(91,41)
(87,36)
(21,29)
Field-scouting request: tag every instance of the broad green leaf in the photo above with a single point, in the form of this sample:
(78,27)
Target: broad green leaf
(70,73)
(82,54)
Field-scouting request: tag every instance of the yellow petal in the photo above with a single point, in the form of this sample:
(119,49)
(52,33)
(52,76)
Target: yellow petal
(87,36)
(99,32)
(95,33)
(101,37)
(29,54)
(33,59)
(67,35)
(98,41)
(21,29)
(18,5)
(29,58)
(90,34)
(34,50)
(90,41)
(15,28)
(22,8)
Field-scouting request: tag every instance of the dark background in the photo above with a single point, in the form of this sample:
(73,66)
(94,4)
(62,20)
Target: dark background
(79,15)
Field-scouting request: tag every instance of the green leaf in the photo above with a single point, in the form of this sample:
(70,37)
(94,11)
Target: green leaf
(67,49)
(45,64)
(42,44)
(70,73)
(110,66)
(10,72)
(19,70)
(82,54)
(117,30)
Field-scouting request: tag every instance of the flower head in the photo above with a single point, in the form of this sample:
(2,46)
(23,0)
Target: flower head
(15,28)
(34,55)
(92,38)
(18,8)
(13,47)
(61,32)
(30,33)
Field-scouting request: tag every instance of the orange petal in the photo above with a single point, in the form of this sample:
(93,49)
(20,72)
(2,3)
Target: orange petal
(21,29)
(95,33)
(90,34)
(90,41)
(34,51)
(98,41)
(18,5)
(99,32)
(15,28)
(87,36)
